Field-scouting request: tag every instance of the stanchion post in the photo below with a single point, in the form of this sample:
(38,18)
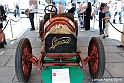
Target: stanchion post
(11,30)
(37,24)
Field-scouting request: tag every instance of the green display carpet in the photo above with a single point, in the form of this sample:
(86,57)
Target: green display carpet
(75,73)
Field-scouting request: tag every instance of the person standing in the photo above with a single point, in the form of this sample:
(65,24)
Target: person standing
(17,10)
(31,16)
(2,35)
(107,19)
(72,10)
(101,16)
(53,4)
(115,13)
(60,8)
(81,15)
(120,13)
(88,16)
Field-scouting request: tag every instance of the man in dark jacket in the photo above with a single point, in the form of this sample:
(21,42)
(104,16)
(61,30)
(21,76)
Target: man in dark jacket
(72,10)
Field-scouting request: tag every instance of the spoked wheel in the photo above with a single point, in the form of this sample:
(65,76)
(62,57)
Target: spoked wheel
(97,64)
(22,64)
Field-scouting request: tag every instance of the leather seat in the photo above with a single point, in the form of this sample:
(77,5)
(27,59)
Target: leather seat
(68,15)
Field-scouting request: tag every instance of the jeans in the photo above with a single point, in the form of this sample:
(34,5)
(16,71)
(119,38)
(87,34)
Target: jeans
(120,17)
(101,16)
(82,19)
(31,18)
(18,13)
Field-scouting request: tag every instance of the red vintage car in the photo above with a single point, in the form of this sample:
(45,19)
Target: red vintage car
(59,35)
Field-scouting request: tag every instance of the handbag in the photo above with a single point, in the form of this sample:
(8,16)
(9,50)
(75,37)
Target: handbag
(4,17)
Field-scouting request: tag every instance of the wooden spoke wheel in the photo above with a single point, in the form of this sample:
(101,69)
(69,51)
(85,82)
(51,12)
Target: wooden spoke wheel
(22,64)
(97,64)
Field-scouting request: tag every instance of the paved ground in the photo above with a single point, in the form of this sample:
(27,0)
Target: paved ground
(114,68)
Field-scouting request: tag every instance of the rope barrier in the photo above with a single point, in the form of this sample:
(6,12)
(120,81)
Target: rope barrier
(8,22)
(115,28)
(112,26)
(17,20)
(5,26)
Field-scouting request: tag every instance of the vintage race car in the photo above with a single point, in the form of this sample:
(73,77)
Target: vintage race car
(59,34)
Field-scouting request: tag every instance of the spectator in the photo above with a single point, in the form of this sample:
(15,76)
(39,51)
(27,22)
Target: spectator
(107,18)
(115,14)
(53,4)
(101,16)
(122,9)
(16,11)
(72,10)
(120,13)
(82,7)
(88,16)
(60,8)
(31,16)
(2,35)
(7,9)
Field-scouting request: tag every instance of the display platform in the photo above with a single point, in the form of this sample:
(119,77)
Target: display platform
(75,73)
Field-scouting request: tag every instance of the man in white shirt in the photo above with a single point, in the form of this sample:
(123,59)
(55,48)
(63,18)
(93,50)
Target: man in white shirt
(31,16)
(60,8)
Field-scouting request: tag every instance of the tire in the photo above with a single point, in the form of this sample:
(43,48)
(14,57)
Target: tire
(97,64)
(76,28)
(22,66)
(40,29)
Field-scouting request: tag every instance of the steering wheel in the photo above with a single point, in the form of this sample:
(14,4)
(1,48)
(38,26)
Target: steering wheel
(50,9)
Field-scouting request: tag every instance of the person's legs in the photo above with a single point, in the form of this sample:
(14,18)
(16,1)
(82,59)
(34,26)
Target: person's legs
(103,15)
(122,39)
(2,35)
(114,20)
(107,29)
(18,13)
(84,22)
(83,19)
(15,13)
(87,23)
(100,23)
(4,38)
(120,17)
(31,18)
(1,43)
(80,18)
